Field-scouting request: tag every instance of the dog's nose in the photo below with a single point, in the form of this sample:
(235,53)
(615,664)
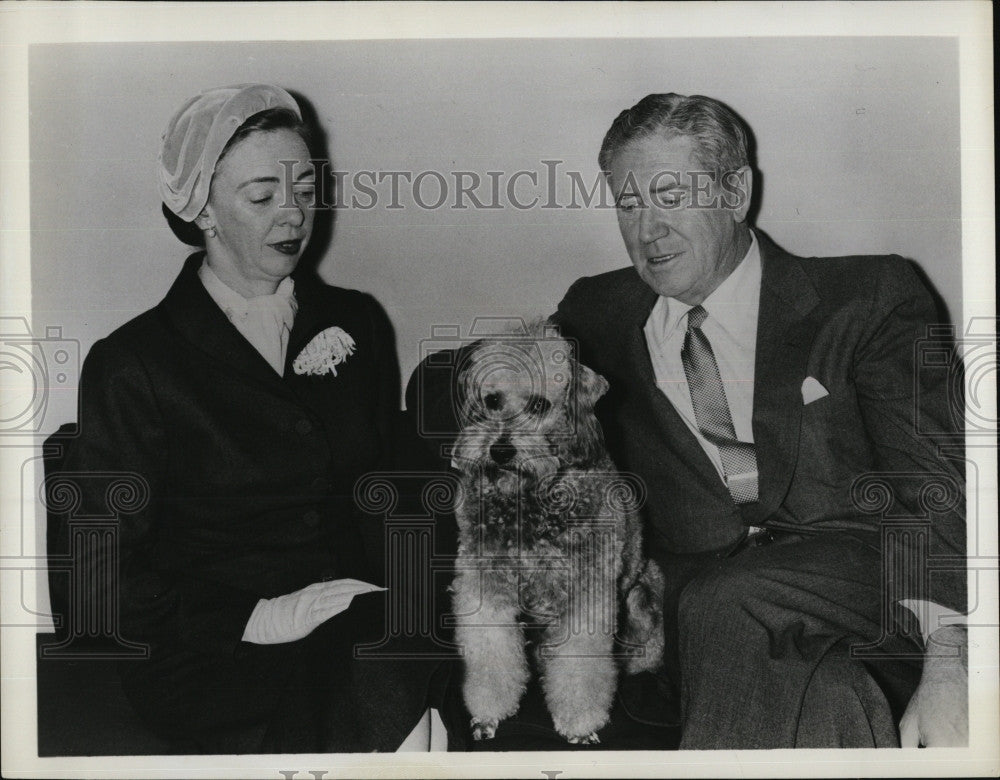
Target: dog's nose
(502,451)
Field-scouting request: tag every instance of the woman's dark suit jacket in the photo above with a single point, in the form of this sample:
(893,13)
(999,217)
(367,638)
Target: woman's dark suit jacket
(250,480)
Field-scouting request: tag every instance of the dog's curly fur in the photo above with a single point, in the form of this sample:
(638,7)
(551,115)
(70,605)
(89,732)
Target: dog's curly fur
(549,539)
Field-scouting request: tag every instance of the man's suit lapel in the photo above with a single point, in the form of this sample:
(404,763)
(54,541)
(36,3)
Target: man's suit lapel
(785,333)
(199,319)
(677,435)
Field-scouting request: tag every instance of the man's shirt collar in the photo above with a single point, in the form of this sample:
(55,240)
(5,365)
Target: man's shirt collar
(733,304)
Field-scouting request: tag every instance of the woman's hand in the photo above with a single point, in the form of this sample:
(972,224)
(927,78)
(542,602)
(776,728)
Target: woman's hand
(295,615)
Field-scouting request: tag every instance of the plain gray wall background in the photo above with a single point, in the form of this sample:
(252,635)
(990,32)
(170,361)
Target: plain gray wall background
(857,148)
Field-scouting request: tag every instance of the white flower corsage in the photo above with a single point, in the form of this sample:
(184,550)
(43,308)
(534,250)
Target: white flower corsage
(324,353)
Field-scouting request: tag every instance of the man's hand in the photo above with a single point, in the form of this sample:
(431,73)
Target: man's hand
(938,713)
(294,616)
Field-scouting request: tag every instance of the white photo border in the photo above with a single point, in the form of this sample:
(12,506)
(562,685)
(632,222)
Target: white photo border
(24,24)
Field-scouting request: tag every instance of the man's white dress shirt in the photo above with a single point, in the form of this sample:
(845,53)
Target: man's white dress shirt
(731,328)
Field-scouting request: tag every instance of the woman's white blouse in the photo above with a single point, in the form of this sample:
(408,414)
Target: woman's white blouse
(264,321)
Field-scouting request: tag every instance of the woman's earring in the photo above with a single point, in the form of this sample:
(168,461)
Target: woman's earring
(211,232)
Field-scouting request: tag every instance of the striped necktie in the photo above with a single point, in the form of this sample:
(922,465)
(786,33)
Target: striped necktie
(711,411)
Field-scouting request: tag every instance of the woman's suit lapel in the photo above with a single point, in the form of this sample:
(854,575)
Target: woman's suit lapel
(192,312)
(311,318)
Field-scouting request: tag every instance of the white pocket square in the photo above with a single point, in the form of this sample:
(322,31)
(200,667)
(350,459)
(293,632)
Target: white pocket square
(812,390)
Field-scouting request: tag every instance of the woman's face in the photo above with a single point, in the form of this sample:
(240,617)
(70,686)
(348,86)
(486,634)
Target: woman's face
(260,205)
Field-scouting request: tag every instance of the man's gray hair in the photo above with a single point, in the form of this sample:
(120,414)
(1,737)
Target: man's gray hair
(722,138)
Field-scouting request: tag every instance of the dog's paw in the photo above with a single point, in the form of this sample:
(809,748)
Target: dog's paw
(590,739)
(483,729)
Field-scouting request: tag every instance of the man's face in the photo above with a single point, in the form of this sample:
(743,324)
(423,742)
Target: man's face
(683,231)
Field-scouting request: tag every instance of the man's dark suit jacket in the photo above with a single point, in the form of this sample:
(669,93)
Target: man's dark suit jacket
(250,475)
(852,323)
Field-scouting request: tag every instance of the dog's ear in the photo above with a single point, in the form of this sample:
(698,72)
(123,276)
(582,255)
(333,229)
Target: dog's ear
(466,397)
(590,386)
(466,393)
(586,445)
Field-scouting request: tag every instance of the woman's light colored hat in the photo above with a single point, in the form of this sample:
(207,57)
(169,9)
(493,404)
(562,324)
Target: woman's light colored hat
(197,134)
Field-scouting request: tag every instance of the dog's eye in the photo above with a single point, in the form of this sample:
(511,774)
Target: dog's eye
(492,401)
(538,405)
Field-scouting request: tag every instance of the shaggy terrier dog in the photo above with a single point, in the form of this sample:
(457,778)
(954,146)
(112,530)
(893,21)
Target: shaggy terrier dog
(550,543)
